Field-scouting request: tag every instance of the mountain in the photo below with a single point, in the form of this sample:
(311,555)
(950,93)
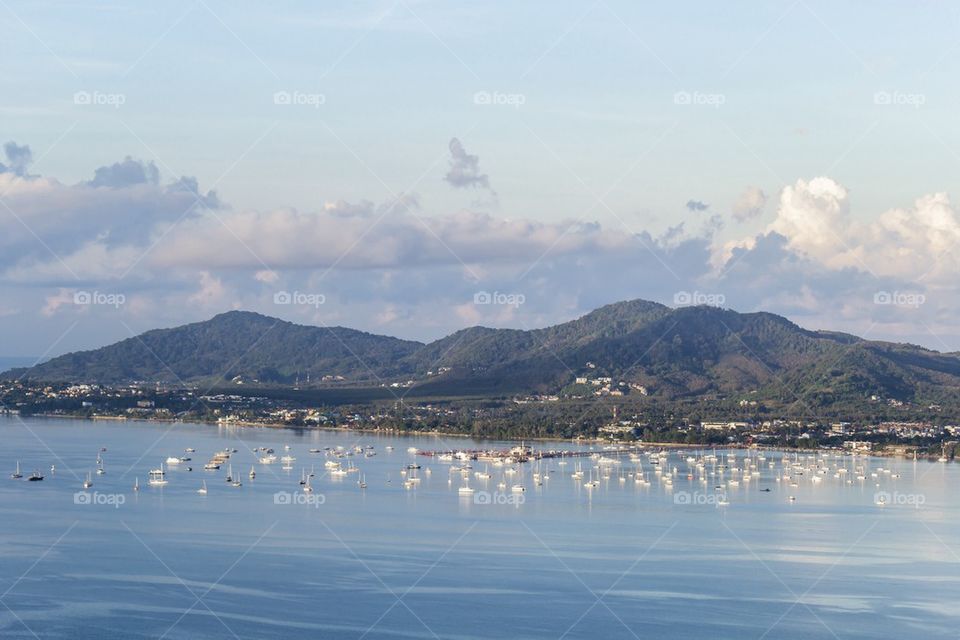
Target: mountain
(237,343)
(689,352)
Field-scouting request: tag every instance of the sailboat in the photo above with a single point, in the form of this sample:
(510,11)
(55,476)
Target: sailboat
(88,482)
(203,489)
(229,477)
(100,469)
(306,487)
(363,481)
(136,484)
(16,475)
(253,474)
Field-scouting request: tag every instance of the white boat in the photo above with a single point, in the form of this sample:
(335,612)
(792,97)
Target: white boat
(157,477)
(465,490)
(16,475)
(136,484)
(517,488)
(253,474)
(229,477)
(173,460)
(88,482)
(363,482)
(203,488)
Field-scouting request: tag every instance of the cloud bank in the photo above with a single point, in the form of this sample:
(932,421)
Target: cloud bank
(178,254)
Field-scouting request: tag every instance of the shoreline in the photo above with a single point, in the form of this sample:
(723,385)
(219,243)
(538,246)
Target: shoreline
(444,434)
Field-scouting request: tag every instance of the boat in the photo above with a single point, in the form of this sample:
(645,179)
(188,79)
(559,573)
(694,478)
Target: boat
(189,450)
(465,490)
(203,488)
(229,477)
(307,488)
(363,482)
(88,482)
(253,474)
(517,488)
(136,484)
(157,477)
(173,460)
(35,477)
(211,466)
(16,475)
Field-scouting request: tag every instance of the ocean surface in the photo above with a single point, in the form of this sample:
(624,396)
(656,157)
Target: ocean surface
(845,558)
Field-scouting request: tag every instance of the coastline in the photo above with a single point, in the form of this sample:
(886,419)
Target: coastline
(445,434)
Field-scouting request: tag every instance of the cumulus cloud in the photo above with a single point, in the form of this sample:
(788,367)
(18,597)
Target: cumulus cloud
(125,173)
(749,204)
(399,267)
(464,172)
(18,159)
(697,205)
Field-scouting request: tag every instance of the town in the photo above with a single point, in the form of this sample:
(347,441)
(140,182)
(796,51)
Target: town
(606,417)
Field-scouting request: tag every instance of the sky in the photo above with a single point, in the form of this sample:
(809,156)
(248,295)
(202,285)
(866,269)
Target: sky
(413,167)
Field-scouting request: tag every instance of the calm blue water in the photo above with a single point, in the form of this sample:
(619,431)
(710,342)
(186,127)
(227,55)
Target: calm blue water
(619,561)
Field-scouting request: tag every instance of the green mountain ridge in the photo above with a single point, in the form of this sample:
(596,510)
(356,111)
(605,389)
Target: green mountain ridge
(688,352)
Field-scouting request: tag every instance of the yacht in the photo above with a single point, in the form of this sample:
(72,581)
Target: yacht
(88,482)
(173,460)
(157,477)
(363,482)
(517,488)
(203,488)
(465,490)
(16,475)
(253,474)
(136,484)
(35,477)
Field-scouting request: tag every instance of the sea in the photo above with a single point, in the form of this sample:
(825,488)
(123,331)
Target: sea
(687,543)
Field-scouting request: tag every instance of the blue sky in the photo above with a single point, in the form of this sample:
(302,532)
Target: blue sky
(607,119)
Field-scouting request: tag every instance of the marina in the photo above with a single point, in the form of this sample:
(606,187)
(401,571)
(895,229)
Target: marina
(690,514)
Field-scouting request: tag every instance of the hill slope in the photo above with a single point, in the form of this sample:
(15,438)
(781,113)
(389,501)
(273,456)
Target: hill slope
(689,352)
